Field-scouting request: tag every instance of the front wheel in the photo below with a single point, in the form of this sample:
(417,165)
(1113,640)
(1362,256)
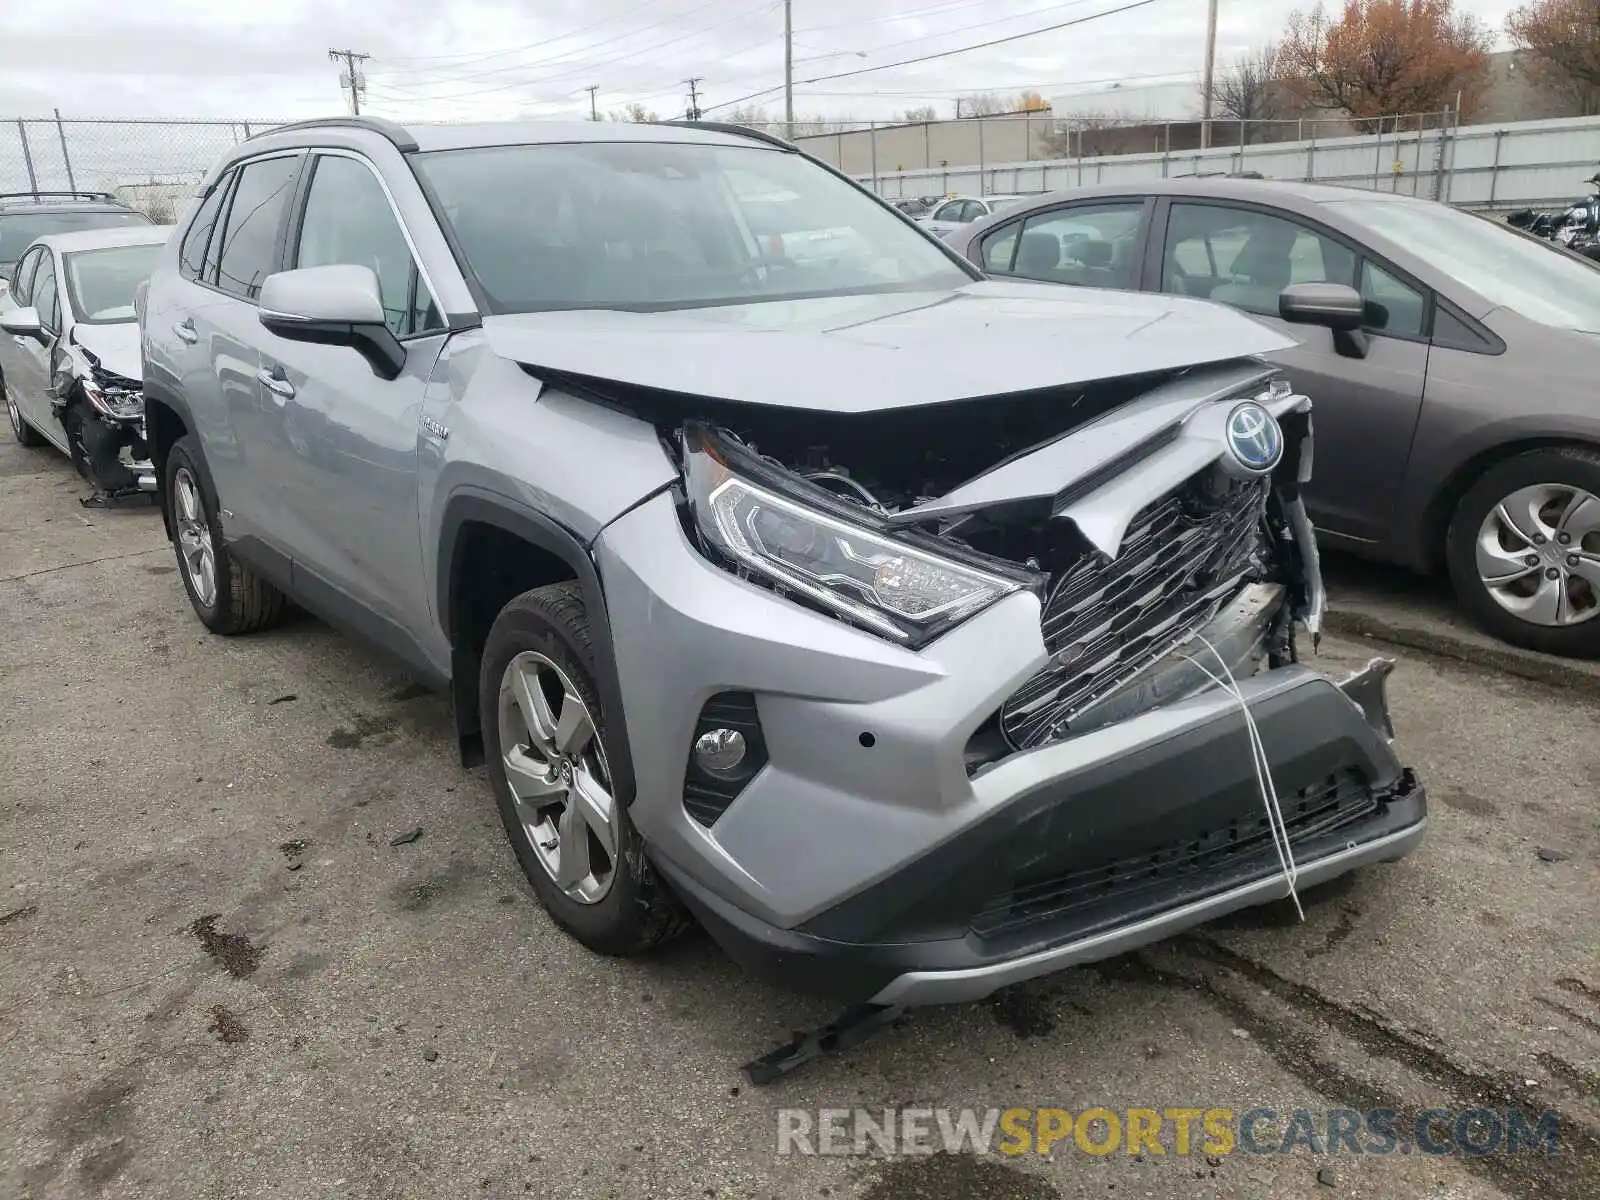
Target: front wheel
(545,742)
(25,434)
(1524,551)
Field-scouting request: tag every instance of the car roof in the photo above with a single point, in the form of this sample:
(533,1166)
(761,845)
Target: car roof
(472,134)
(105,239)
(45,202)
(1286,193)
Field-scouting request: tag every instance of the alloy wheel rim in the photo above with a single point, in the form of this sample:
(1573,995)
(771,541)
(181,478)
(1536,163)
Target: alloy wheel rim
(557,773)
(194,537)
(15,415)
(1538,554)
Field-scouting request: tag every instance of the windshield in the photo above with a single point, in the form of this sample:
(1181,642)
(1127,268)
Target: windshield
(100,283)
(1004,203)
(17,230)
(648,226)
(1503,266)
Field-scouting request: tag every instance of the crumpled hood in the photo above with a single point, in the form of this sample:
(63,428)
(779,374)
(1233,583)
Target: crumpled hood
(878,352)
(115,345)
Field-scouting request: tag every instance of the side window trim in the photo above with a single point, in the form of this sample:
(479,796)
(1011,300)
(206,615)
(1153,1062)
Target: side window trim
(51,326)
(209,265)
(1362,253)
(291,247)
(27,266)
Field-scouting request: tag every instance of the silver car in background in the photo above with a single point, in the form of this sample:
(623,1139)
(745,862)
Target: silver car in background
(69,360)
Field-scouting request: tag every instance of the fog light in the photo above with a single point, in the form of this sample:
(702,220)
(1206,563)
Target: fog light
(719,750)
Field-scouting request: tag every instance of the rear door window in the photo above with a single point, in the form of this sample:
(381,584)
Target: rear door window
(250,237)
(1089,245)
(198,236)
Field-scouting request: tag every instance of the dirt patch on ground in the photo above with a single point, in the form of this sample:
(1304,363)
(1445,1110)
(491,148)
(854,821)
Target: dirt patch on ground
(228,1027)
(233,950)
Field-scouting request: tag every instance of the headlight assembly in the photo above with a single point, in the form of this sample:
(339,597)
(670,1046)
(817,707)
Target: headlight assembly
(778,530)
(117,402)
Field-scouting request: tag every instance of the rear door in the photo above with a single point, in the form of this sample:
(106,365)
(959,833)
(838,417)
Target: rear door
(1366,403)
(223,387)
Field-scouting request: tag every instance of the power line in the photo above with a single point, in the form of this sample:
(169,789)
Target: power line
(922,58)
(586,68)
(567,56)
(351,77)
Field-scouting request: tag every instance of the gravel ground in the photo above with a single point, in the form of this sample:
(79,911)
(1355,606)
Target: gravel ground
(218,978)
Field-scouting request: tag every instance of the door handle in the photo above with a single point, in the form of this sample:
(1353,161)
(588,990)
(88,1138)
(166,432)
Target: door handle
(275,382)
(185,331)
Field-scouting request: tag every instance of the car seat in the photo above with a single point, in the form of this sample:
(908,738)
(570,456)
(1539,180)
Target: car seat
(1263,263)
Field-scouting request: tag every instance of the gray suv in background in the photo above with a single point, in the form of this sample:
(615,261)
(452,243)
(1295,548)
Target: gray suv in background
(918,634)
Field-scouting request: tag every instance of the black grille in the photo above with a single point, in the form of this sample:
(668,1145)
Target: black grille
(1106,619)
(1173,871)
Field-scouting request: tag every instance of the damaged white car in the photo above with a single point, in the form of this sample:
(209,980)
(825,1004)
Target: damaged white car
(69,363)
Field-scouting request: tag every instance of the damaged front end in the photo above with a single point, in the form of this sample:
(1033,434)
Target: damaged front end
(102,414)
(1142,535)
(931,701)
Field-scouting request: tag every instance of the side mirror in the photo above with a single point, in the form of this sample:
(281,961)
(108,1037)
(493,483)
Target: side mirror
(24,322)
(1334,306)
(333,306)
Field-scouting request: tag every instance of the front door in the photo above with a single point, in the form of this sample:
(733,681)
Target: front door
(345,441)
(1366,400)
(28,361)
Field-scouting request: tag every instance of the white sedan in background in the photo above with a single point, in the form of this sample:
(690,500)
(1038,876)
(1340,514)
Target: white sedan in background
(961,210)
(69,352)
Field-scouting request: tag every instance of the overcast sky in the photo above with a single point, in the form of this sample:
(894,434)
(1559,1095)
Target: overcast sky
(476,58)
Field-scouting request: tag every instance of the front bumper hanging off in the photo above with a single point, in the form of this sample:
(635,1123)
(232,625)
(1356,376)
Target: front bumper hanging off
(1111,841)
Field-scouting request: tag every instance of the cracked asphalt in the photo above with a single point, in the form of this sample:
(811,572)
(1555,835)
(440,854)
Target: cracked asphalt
(219,978)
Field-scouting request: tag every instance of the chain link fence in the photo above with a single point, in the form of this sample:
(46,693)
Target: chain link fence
(153,165)
(868,148)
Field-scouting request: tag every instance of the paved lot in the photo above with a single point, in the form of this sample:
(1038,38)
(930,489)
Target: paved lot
(184,1012)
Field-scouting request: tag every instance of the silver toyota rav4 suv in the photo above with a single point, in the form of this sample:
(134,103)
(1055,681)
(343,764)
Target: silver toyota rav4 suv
(917,634)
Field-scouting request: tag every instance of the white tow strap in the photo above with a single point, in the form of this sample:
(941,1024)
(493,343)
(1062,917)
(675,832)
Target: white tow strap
(1268,790)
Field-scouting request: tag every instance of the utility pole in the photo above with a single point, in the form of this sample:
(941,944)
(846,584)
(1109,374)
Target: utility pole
(788,69)
(594,113)
(694,98)
(350,77)
(1209,87)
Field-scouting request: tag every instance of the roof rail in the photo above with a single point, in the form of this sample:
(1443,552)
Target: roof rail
(43,195)
(759,135)
(396,134)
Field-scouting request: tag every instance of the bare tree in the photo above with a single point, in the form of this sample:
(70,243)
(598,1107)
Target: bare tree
(1093,132)
(749,114)
(981,104)
(633,112)
(1562,40)
(920,116)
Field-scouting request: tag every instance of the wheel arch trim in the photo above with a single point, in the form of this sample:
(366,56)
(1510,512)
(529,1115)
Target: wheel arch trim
(470,504)
(1434,494)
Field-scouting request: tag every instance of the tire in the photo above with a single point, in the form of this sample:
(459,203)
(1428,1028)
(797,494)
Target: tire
(25,434)
(622,906)
(237,601)
(1557,614)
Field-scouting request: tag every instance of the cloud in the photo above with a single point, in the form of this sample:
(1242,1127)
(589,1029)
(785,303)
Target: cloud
(481,59)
